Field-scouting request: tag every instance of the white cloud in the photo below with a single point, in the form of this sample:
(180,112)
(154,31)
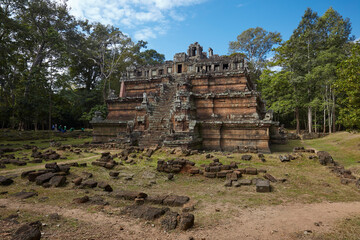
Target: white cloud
(132,14)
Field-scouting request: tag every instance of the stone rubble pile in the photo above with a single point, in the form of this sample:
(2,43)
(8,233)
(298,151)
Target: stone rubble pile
(105,161)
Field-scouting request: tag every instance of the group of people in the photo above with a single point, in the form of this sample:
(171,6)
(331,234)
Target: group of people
(62,129)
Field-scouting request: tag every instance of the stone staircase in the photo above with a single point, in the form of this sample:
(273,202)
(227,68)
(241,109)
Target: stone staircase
(159,120)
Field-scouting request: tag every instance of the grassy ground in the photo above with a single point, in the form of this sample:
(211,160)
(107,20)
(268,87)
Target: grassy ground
(306,180)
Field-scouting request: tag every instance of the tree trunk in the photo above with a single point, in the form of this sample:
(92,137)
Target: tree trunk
(333,113)
(310,119)
(315,123)
(324,125)
(297,120)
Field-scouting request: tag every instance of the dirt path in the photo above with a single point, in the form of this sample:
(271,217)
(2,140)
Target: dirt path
(270,222)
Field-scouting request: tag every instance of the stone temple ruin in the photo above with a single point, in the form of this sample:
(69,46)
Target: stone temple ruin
(195,101)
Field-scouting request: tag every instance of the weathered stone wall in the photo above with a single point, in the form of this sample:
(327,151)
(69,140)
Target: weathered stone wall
(194,101)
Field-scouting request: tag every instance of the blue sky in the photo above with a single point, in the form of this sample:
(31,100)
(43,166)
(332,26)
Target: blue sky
(169,26)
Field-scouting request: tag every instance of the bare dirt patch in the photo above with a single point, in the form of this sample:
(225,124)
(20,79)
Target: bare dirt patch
(270,222)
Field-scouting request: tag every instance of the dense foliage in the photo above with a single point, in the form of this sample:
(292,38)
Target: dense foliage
(57,69)
(309,66)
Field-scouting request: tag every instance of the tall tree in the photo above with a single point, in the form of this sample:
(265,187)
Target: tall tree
(151,57)
(112,51)
(255,43)
(348,87)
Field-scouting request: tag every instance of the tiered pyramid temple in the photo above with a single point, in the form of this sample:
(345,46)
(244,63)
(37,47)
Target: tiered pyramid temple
(197,101)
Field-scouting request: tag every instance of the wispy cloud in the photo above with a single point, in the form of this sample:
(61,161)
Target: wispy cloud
(151,17)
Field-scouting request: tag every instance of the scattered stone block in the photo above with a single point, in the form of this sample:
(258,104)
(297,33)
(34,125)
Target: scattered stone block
(175,200)
(325,158)
(263,186)
(170,176)
(244,181)
(57,181)
(158,199)
(170,221)
(114,174)
(77,181)
(284,158)
(186,221)
(129,195)
(89,184)
(222,174)
(251,171)
(25,195)
(105,186)
(5,181)
(246,157)
(53,166)
(236,184)
(194,171)
(228,183)
(144,212)
(83,199)
(30,231)
(39,180)
(270,177)
(26,173)
(33,175)
(210,174)
(139,201)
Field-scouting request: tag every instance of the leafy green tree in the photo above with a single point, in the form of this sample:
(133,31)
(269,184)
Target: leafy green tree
(255,43)
(151,57)
(111,50)
(348,86)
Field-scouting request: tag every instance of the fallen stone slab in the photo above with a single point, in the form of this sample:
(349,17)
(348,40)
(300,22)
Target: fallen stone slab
(186,221)
(87,175)
(157,199)
(105,186)
(53,166)
(89,184)
(83,199)
(251,171)
(144,212)
(244,181)
(30,231)
(77,181)
(18,162)
(57,181)
(270,177)
(5,181)
(26,173)
(263,186)
(39,180)
(175,200)
(210,174)
(129,195)
(25,195)
(33,175)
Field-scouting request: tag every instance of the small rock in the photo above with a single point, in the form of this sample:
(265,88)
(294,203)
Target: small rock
(83,199)
(29,231)
(186,221)
(170,176)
